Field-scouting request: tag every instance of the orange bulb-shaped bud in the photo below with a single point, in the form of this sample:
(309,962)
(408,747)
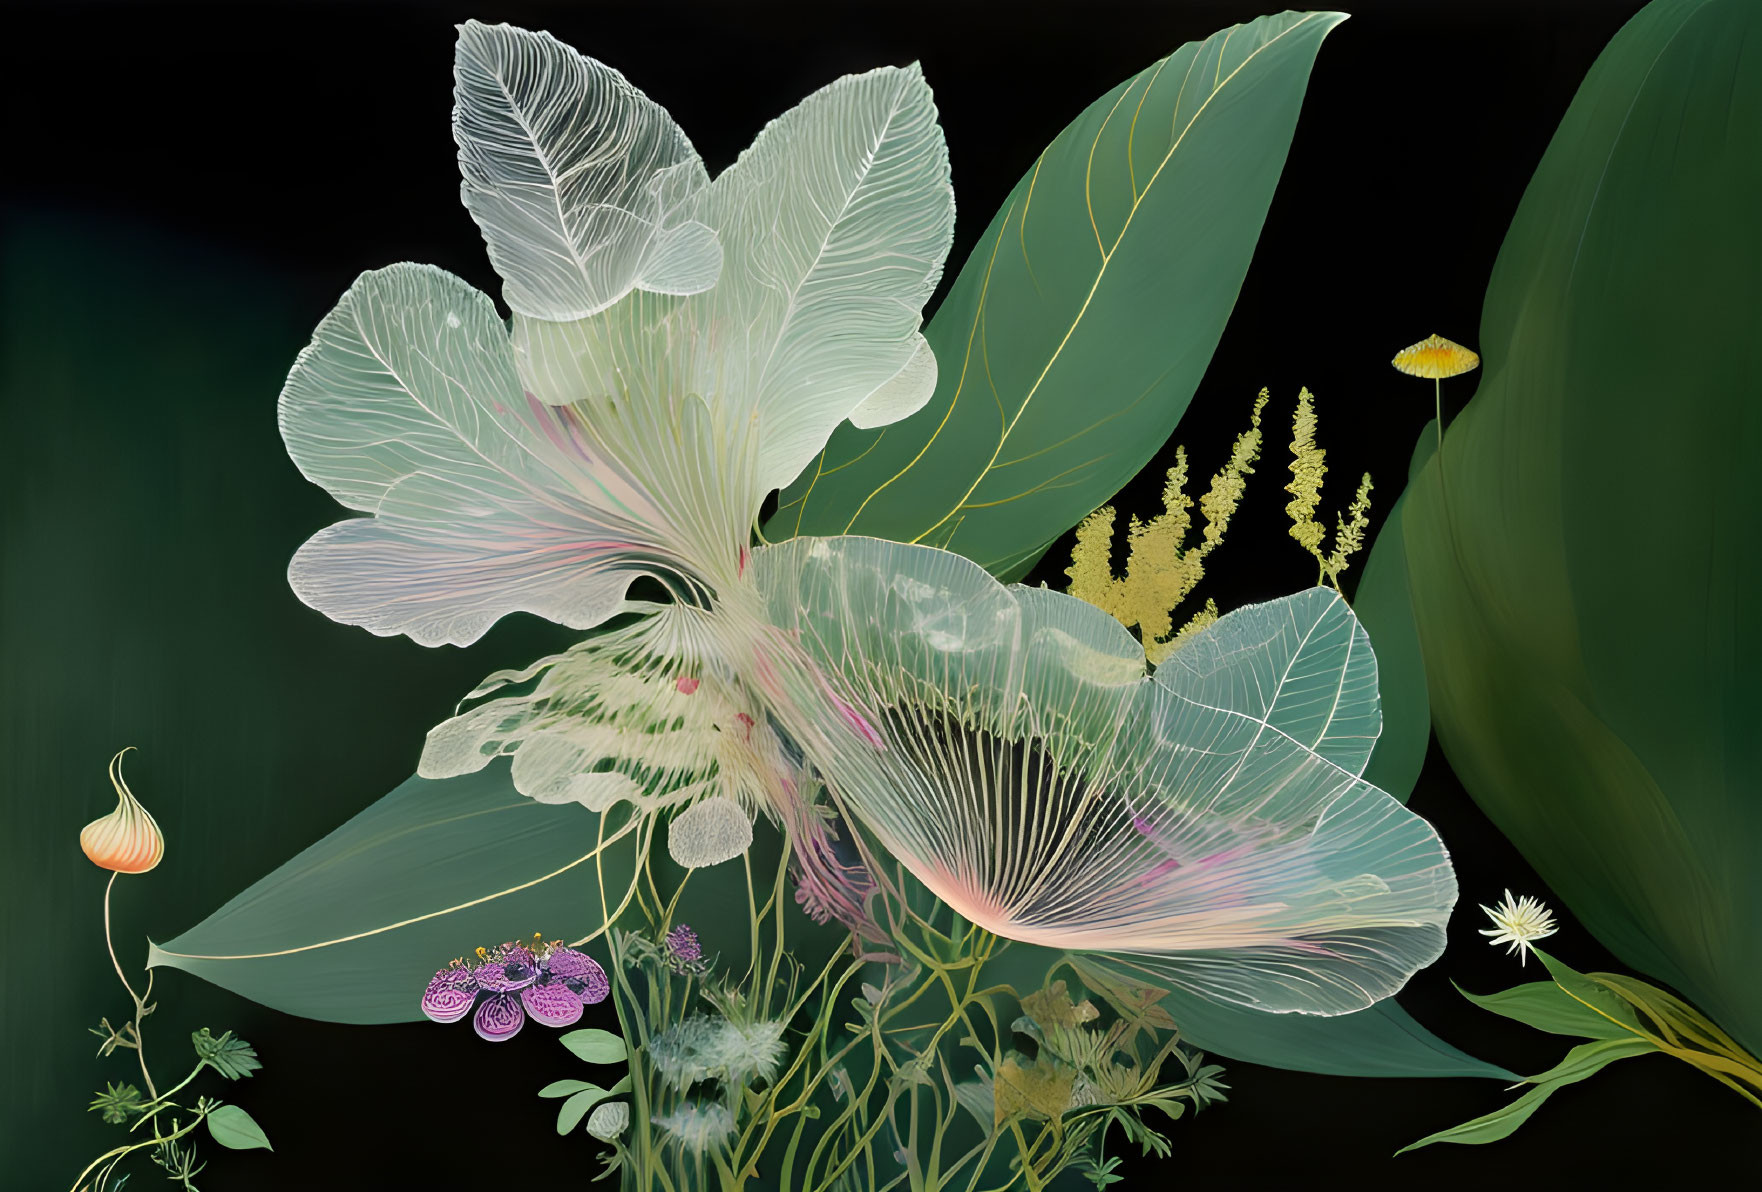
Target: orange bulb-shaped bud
(127,840)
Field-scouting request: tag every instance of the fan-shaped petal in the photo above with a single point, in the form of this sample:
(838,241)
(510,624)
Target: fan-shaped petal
(1030,774)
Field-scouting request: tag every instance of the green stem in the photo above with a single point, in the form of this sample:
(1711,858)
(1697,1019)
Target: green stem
(164,1101)
(140,1005)
(1438,410)
(120,1151)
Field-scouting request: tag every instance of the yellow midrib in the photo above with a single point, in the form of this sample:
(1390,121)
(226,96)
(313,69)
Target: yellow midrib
(1221,82)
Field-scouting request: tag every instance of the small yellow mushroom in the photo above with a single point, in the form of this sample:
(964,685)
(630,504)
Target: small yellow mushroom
(1435,358)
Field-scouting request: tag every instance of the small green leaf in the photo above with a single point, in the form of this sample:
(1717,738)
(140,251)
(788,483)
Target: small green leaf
(570,1112)
(596,1046)
(230,1057)
(1580,1062)
(1547,1007)
(623,1086)
(232,1127)
(116,1102)
(1174,1109)
(565,1088)
(1593,998)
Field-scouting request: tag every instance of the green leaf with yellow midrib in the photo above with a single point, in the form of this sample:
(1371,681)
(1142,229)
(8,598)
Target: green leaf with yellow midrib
(351,929)
(1080,326)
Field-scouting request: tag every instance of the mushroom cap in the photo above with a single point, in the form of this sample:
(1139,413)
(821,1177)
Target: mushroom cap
(1434,358)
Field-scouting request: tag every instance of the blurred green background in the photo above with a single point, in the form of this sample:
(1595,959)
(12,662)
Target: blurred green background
(150,511)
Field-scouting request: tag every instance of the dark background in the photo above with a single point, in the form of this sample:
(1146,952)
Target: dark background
(187,190)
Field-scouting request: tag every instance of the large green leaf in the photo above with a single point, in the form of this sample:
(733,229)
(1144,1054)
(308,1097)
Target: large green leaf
(1384,1040)
(1383,607)
(352,928)
(1078,330)
(1584,577)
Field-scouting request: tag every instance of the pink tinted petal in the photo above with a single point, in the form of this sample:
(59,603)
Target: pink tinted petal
(499,1018)
(449,996)
(862,727)
(685,686)
(551,1003)
(582,974)
(1157,871)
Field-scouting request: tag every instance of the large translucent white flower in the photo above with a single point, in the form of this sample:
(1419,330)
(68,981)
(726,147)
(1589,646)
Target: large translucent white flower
(680,347)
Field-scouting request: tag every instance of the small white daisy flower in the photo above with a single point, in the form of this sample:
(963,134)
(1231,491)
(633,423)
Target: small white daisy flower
(1518,922)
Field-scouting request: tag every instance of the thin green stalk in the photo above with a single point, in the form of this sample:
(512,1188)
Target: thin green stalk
(120,1151)
(140,1003)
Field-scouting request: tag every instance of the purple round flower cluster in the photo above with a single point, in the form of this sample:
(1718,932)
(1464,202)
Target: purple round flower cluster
(546,980)
(685,954)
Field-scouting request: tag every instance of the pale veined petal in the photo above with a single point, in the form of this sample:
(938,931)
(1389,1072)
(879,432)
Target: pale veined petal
(630,373)
(709,832)
(834,226)
(1020,764)
(903,394)
(1302,665)
(638,714)
(617,716)
(407,406)
(583,186)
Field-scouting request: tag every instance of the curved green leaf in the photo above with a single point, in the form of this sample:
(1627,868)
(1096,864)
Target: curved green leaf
(596,1046)
(235,1129)
(1383,1040)
(570,1112)
(566,1088)
(1386,611)
(352,928)
(1586,1059)
(1079,328)
(1548,1007)
(1584,578)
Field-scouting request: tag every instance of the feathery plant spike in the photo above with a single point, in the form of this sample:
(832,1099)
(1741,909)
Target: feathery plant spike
(1349,535)
(1161,569)
(1308,468)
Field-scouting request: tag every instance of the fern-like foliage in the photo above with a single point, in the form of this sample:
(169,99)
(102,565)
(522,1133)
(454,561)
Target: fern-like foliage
(1161,568)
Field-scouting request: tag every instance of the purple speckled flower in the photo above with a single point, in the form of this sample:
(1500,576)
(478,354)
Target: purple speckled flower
(547,981)
(684,952)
